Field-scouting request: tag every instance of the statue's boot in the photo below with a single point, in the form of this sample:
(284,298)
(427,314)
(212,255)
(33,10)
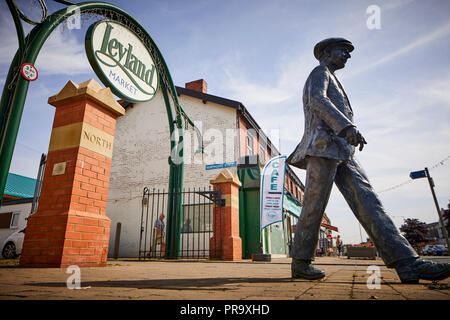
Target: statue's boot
(303,269)
(411,271)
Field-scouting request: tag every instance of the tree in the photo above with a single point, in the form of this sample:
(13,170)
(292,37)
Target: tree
(414,231)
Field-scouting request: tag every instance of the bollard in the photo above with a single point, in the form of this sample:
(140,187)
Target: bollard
(117,241)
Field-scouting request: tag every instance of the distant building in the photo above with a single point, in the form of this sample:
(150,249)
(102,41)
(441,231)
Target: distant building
(141,151)
(326,235)
(19,187)
(16,205)
(434,234)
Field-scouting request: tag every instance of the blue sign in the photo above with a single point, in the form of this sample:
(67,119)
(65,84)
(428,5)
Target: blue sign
(418,174)
(220,165)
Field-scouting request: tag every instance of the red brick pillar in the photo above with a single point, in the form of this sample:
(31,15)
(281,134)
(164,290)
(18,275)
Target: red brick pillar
(226,242)
(71,226)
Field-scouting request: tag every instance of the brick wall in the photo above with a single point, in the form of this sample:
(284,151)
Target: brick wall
(71,226)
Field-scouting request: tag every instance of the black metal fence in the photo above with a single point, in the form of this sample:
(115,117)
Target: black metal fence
(196,227)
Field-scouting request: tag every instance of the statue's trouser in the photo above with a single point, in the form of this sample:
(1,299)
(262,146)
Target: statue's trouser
(352,182)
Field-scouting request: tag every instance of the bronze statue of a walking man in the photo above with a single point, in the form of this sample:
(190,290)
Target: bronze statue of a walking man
(326,151)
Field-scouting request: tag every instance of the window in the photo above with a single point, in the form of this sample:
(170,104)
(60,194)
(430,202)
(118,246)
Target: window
(15,221)
(249,144)
(9,220)
(197,218)
(5,220)
(262,154)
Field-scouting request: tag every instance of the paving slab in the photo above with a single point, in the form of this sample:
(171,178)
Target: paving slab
(346,279)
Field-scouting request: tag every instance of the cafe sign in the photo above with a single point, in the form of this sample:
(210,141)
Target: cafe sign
(272,191)
(121,61)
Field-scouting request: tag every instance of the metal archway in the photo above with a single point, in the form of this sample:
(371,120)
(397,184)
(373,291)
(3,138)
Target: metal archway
(16,88)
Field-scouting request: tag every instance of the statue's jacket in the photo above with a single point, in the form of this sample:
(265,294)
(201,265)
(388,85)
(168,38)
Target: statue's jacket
(327,113)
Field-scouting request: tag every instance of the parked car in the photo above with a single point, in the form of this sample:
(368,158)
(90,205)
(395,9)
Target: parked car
(12,247)
(439,250)
(435,250)
(427,250)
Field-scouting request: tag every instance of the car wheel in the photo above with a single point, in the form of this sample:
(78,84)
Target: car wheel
(9,251)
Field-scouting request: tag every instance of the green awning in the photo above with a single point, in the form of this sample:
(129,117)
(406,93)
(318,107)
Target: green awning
(291,205)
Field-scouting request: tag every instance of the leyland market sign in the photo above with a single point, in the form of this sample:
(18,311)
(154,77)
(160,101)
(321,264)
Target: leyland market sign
(121,61)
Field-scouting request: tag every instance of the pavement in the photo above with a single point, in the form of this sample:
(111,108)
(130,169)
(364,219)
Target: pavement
(346,279)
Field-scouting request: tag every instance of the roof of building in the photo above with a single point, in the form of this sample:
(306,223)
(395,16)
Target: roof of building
(294,176)
(205,97)
(245,113)
(20,186)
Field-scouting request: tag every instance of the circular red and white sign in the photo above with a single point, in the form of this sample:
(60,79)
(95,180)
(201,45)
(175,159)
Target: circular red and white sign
(29,72)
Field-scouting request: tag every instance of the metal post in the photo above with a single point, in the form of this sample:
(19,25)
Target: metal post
(444,231)
(117,240)
(37,189)
(143,204)
(360,232)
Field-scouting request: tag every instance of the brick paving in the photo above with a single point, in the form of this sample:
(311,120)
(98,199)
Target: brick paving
(346,279)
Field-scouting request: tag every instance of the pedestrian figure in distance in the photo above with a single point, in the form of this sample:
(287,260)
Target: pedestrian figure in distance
(339,245)
(158,236)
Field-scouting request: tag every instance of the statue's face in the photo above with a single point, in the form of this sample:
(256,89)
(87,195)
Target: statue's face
(339,56)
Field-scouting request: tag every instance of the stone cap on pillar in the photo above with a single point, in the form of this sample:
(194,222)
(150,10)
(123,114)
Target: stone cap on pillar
(91,90)
(226,176)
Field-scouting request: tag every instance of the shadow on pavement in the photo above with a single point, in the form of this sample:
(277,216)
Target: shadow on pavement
(170,284)
(192,284)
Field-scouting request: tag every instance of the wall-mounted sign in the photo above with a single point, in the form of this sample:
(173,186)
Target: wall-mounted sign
(121,61)
(29,71)
(220,165)
(59,169)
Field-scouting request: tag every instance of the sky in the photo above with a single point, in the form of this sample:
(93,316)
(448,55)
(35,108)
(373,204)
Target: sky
(259,52)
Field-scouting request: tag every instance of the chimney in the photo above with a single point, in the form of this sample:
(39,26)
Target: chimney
(197,85)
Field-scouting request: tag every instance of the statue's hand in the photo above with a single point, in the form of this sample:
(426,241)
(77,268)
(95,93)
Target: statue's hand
(355,138)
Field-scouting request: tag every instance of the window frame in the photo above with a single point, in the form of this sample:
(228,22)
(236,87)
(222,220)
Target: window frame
(262,154)
(250,145)
(205,209)
(14,214)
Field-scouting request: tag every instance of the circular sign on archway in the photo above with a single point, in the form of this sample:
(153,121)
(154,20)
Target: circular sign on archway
(29,71)
(121,61)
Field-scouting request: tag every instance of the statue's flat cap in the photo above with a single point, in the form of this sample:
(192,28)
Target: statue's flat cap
(322,45)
